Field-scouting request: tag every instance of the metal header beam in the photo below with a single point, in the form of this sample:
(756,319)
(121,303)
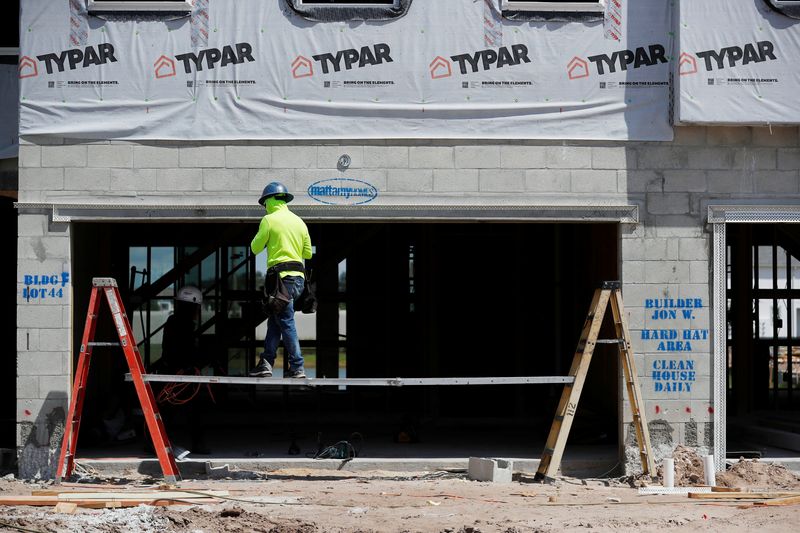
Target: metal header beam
(62,212)
(355,382)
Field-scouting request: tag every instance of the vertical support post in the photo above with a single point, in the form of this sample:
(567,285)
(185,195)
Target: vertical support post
(719,346)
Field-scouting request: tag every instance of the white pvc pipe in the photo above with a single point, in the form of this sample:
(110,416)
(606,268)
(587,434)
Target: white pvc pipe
(711,474)
(669,472)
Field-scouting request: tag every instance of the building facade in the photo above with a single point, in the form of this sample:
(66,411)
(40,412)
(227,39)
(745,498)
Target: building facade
(651,204)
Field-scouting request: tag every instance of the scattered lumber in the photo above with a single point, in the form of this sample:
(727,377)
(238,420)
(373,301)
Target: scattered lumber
(742,495)
(65,507)
(791,500)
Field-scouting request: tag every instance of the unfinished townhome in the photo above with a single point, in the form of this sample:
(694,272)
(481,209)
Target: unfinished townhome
(470,173)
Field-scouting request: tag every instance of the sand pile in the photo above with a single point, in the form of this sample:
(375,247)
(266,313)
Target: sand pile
(753,474)
(689,469)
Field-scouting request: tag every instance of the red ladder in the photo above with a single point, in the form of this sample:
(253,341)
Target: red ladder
(155,425)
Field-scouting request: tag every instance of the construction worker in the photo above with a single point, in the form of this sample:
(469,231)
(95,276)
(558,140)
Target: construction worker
(286,239)
(181,355)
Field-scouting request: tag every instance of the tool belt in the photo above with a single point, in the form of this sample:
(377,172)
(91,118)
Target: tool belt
(276,296)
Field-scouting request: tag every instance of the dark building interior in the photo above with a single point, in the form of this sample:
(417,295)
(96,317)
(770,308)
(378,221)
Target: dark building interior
(395,300)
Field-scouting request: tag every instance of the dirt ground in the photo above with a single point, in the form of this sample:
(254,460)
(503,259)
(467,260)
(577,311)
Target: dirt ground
(323,501)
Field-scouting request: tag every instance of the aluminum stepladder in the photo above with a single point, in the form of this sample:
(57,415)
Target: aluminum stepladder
(609,292)
(155,424)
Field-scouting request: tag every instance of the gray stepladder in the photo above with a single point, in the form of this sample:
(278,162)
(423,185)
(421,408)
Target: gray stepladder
(609,291)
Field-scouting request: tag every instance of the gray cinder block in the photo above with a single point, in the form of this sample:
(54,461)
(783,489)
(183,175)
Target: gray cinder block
(494,470)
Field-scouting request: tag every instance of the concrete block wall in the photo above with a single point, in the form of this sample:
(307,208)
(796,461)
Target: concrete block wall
(665,256)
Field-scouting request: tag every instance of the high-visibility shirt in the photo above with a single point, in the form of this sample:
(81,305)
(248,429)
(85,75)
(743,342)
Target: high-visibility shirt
(284,235)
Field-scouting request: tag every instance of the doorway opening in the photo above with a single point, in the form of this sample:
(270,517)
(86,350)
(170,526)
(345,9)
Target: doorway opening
(396,299)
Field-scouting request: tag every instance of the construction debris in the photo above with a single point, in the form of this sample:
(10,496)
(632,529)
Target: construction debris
(756,474)
(689,470)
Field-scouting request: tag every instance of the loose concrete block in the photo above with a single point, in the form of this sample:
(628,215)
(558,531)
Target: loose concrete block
(663,157)
(667,203)
(776,181)
(30,156)
(750,159)
(693,249)
(568,157)
(87,179)
(527,157)
(419,180)
(40,364)
(775,136)
(493,470)
(477,156)
(461,180)
(64,156)
(41,179)
(123,179)
(202,156)
(684,181)
(712,158)
(613,157)
(155,156)
(548,180)
(728,136)
(248,156)
(789,158)
(110,156)
(596,181)
(386,157)
(228,180)
(179,179)
(328,156)
(502,180)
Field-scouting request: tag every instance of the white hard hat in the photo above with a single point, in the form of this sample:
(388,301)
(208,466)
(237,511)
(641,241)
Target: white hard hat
(189,294)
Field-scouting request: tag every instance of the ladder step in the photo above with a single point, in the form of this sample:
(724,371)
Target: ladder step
(99,343)
(610,341)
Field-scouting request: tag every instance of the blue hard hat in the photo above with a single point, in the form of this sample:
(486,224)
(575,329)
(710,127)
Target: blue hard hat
(276,189)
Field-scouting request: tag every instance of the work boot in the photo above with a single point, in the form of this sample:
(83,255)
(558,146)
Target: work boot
(298,373)
(262,370)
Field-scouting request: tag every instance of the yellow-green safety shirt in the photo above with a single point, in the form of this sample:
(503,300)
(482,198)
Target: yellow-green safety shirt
(284,235)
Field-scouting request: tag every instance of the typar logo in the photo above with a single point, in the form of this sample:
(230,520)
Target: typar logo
(302,67)
(27,68)
(342,191)
(654,54)
(687,64)
(440,68)
(164,67)
(577,68)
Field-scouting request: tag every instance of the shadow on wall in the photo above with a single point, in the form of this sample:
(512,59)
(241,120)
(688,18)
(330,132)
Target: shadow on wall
(40,441)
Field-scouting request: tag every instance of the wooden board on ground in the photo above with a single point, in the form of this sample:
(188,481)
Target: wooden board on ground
(156,500)
(791,500)
(741,495)
(65,507)
(124,495)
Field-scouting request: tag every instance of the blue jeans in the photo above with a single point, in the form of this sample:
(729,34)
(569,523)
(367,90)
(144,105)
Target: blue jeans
(283,325)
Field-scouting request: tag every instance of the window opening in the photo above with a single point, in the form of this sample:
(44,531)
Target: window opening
(346,10)
(551,5)
(142,6)
(790,8)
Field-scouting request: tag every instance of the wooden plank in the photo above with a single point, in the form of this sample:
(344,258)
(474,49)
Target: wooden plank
(742,495)
(139,495)
(52,501)
(791,500)
(726,489)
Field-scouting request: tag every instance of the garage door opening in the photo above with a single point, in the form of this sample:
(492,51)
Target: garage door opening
(395,300)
